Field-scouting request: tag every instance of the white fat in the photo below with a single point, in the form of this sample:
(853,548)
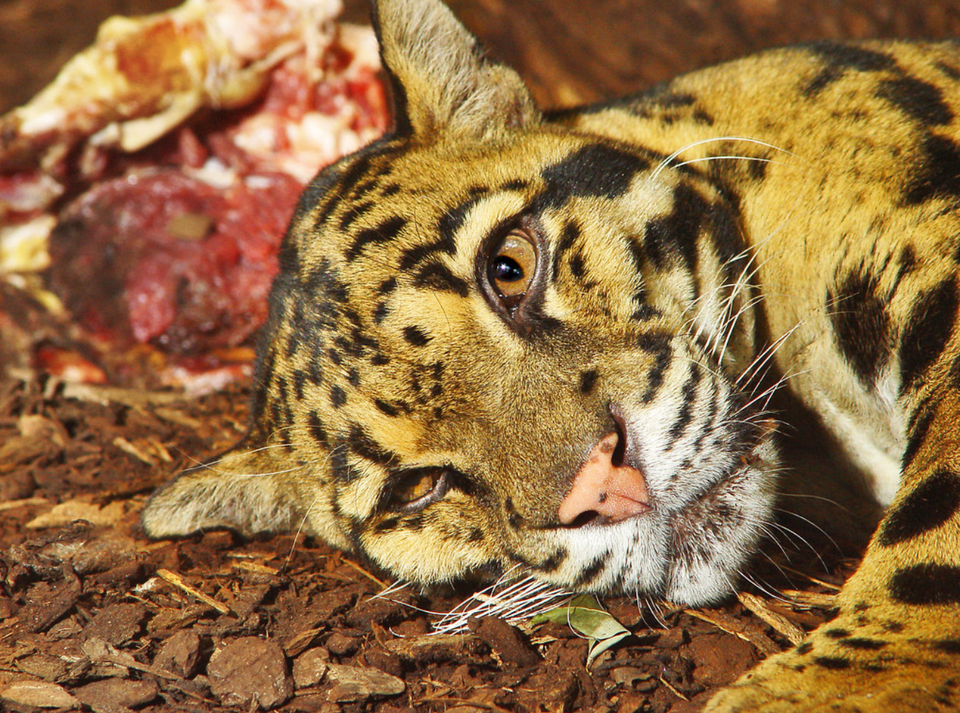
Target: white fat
(215,173)
(23,247)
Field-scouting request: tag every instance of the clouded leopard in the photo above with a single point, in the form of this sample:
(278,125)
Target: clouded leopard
(507,338)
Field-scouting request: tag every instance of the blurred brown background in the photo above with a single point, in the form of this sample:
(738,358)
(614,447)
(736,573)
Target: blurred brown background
(569,50)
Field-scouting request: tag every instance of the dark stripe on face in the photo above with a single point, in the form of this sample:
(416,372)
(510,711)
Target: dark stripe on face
(927,332)
(299,381)
(861,325)
(596,170)
(518,184)
(415,336)
(340,470)
(348,218)
(838,59)
(514,518)
(380,312)
(324,281)
(447,227)
(385,407)
(926,584)
(685,416)
(917,99)
(937,172)
(950,646)
(364,446)
(728,239)
(551,563)
(589,574)
(674,236)
(571,231)
(658,345)
(928,506)
(317,431)
(437,276)
(382,233)
(588,379)
(343,183)
(645,313)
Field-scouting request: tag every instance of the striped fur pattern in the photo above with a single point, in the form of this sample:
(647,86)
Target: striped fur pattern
(788,220)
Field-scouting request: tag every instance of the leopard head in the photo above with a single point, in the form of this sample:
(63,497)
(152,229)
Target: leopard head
(498,341)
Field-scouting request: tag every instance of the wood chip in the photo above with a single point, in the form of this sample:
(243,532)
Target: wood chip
(38,694)
(178,417)
(365,573)
(177,581)
(805,575)
(793,633)
(672,690)
(149,450)
(255,567)
(301,641)
(26,502)
(73,510)
(134,398)
(818,600)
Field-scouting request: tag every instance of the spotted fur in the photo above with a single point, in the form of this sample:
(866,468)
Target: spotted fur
(790,219)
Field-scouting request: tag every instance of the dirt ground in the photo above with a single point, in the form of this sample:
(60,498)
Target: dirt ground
(93,616)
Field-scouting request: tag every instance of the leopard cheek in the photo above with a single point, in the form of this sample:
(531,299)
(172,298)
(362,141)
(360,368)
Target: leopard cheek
(444,543)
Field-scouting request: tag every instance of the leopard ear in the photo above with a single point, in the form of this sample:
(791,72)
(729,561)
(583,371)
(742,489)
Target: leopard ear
(441,77)
(238,491)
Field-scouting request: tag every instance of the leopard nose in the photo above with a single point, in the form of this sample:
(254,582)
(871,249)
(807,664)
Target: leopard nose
(605,487)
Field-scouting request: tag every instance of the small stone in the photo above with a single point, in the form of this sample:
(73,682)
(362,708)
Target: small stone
(38,694)
(355,683)
(179,654)
(116,695)
(310,667)
(250,671)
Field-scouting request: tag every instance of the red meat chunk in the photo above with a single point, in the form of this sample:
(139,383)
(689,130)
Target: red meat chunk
(192,263)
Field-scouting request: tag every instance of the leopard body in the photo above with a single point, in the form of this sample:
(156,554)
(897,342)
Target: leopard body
(471,307)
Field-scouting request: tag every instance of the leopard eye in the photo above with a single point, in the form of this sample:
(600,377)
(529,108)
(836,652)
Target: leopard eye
(418,488)
(512,267)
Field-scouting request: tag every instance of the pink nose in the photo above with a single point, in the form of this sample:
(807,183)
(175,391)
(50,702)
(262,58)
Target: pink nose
(613,491)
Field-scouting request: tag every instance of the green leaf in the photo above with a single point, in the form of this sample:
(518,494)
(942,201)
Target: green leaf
(584,615)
